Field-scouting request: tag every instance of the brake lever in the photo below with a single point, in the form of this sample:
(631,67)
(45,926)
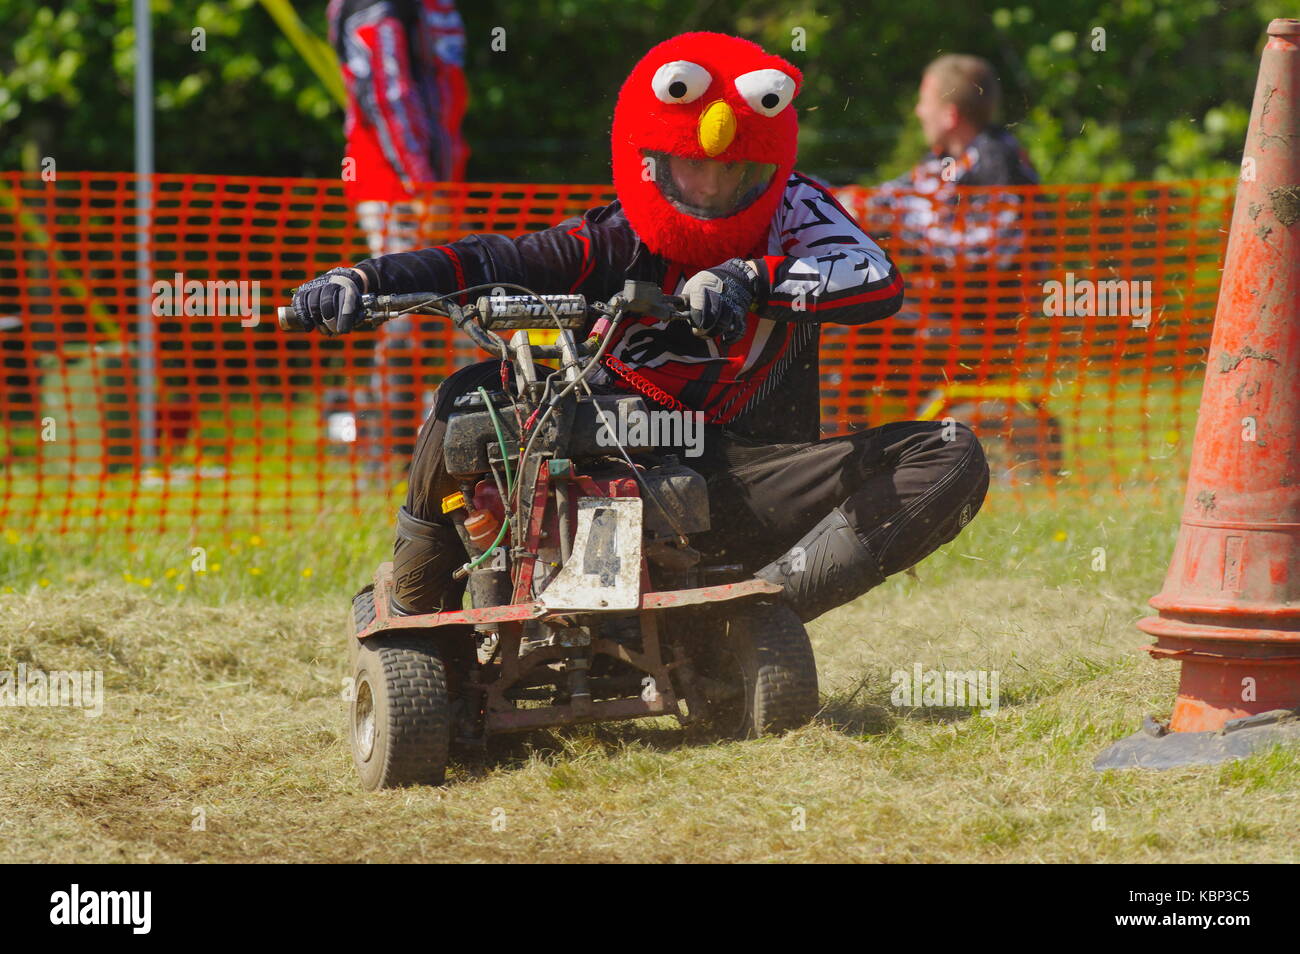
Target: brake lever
(647,298)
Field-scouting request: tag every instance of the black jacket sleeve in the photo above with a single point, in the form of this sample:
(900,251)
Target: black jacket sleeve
(587,255)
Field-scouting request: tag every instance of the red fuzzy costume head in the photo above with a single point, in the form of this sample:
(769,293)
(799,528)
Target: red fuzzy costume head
(696,98)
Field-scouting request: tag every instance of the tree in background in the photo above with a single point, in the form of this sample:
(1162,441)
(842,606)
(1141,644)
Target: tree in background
(1164,92)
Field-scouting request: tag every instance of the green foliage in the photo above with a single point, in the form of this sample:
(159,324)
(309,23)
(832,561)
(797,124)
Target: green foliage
(66,90)
(1168,95)
(1122,89)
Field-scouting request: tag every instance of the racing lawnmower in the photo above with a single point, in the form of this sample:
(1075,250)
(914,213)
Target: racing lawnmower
(584,600)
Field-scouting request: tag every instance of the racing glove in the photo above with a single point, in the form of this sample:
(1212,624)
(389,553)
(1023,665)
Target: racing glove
(330,302)
(720,297)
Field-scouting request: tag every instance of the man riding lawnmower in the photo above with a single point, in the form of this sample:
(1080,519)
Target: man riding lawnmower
(709,207)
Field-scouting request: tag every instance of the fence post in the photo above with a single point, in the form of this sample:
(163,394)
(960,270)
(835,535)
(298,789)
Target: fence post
(146,383)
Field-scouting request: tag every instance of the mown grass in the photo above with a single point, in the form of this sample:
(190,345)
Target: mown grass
(224,698)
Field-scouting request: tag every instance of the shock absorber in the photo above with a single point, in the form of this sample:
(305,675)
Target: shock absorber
(575,642)
(577,663)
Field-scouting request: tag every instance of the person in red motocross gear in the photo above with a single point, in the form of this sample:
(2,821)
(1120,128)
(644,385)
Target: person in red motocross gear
(709,207)
(403,69)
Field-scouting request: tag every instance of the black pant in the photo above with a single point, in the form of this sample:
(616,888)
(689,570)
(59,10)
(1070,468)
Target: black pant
(906,488)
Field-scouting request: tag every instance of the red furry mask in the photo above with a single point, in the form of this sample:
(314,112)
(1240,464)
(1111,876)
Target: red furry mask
(703,142)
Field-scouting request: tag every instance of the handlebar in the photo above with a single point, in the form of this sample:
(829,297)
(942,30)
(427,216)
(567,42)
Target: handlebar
(511,312)
(375,310)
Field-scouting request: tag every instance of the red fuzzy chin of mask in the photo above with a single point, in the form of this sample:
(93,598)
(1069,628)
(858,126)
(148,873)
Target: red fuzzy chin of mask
(643,122)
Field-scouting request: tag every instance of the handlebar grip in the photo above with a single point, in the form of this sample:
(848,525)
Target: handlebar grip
(287,318)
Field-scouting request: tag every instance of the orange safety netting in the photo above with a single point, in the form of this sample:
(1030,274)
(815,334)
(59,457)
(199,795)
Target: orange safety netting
(1067,324)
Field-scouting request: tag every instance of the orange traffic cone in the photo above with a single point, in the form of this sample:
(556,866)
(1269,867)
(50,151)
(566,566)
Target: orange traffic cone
(1230,607)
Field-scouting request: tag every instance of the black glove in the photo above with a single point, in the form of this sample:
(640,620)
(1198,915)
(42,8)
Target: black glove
(330,302)
(719,298)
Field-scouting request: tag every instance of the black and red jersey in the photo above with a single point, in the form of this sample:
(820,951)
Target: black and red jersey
(819,265)
(403,66)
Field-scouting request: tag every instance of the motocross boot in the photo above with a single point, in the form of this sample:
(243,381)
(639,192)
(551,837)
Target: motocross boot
(424,557)
(827,568)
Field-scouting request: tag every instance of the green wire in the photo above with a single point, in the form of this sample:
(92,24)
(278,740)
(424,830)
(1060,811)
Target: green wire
(501,440)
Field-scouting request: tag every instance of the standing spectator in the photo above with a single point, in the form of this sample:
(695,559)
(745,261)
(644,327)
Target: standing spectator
(967,245)
(402,63)
(958,100)
(953,233)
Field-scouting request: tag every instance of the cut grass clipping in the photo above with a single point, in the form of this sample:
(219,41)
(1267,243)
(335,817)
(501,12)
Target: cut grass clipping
(222,736)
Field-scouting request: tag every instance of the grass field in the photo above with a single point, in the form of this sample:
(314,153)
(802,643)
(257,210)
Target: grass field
(223,738)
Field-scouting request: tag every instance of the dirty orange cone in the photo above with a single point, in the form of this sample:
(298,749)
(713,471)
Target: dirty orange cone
(1229,611)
